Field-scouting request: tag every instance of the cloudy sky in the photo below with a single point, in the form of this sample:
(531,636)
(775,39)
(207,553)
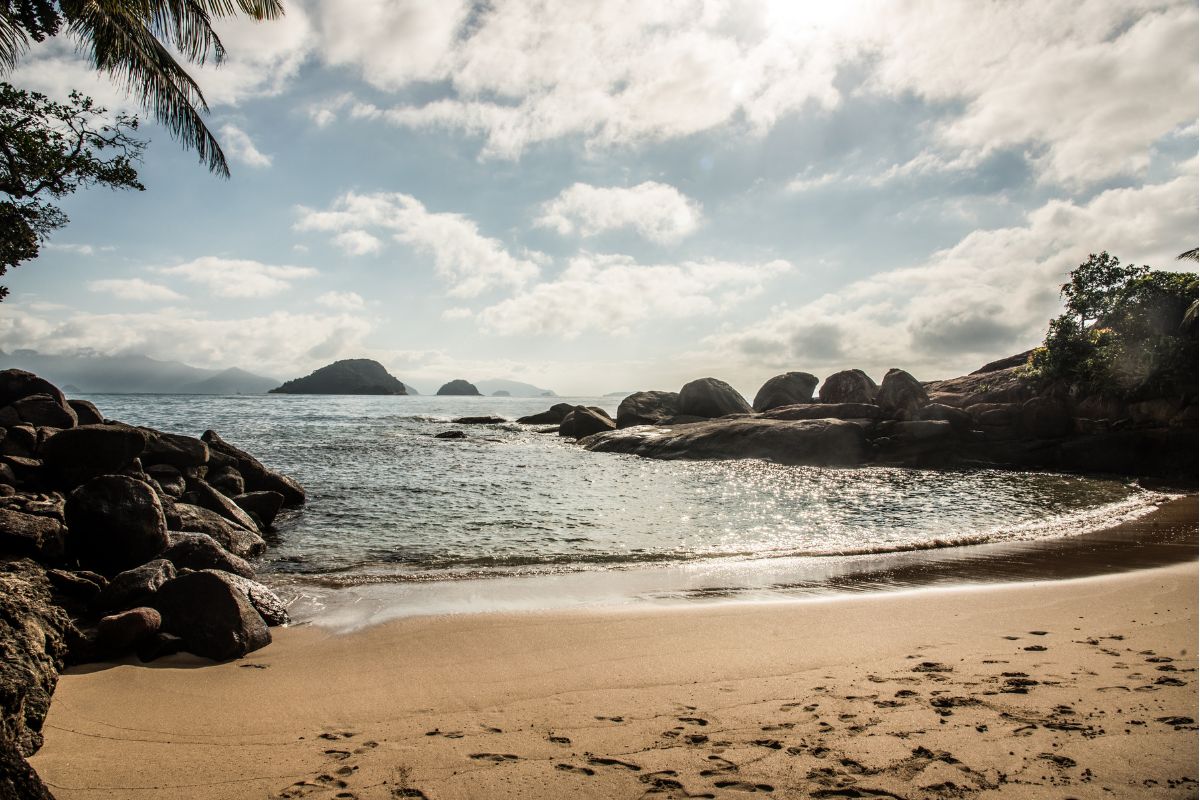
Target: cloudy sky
(602,196)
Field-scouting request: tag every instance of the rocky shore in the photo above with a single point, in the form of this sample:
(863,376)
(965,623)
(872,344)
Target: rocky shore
(116,540)
(995,417)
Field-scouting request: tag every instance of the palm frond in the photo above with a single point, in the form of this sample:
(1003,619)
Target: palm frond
(124,46)
(1189,255)
(13,42)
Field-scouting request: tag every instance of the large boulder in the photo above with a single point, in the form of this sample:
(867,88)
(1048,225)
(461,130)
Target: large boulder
(825,411)
(960,419)
(257,477)
(169,479)
(227,480)
(135,586)
(19,440)
(18,779)
(114,522)
(849,386)
(552,416)
(175,449)
(202,494)
(80,454)
(263,506)
(901,395)
(16,384)
(212,615)
(121,632)
(265,602)
(647,408)
(817,442)
(787,389)
(45,409)
(201,551)
(709,397)
(31,535)
(86,412)
(584,421)
(240,541)
(33,643)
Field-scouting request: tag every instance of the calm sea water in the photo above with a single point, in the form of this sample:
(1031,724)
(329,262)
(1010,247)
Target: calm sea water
(389,504)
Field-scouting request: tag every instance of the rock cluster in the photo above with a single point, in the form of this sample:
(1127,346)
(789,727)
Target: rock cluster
(993,417)
(114,540)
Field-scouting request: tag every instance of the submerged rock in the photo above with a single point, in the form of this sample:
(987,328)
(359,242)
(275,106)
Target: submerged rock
(450,435)
(489,420)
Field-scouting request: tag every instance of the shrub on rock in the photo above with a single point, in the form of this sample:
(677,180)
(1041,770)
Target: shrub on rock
(114,522)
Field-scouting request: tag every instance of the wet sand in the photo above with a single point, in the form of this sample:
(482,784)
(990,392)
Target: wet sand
(1083,687)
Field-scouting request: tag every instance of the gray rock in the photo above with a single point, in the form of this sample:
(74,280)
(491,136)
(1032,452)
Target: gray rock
(584,421)
(86,412)
(1046,418)
(202,494)
(19,440)
(265,602)
(212,615)
(488,420)
(849,386)
(787,389)
(114,523)
(32,536)
(45,409)
(960,419)
(552,416)
(133,587)
(201,551)
(901,395)
(234,538)
(647,408)
(450,435)
(263,506)
(17,383)
(227,480)
(258,478)
(175,449)
(818,442)
(825,411)
(168,478)
(709,397)
(82,453)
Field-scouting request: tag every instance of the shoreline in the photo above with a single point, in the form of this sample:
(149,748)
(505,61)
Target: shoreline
(1018,689)
(1164,535)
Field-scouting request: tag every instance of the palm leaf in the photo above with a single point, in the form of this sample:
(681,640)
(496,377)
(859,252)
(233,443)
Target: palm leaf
(1189,255)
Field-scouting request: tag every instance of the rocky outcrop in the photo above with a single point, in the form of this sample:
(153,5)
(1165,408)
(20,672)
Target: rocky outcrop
(211,614)
(584,421)
(709,397)
(849,386)
(866,411)
(82,453)
(258,478)
(901,395)
(201,551)
(484,420)
(114,523)
(459,387)
(647,408)
(818,442)
(552,416)
(787,389)
(350,376)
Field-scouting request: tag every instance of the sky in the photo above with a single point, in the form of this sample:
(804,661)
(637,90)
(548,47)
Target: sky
(622,195)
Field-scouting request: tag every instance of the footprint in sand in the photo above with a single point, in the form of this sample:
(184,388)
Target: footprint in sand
(614,762)
(720,765)
(497,758)
(558,739)
(335,736)
(932,666)
(1036,648)
(611,719)
(770,744)
(693,721)
(445,734)
(574,769)
(743,786)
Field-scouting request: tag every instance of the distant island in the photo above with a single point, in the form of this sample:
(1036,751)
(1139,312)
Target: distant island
(459,387)
(349,376)
(493,386)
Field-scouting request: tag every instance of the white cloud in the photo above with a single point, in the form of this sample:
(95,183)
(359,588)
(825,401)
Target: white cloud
(457,312)
(228,277)
(987,296)
(341,301)
(358,242)
(657,211)
(240,147)
(77,249)
(134,289)
(325,112)
(463,257)
(612,293)
(280,343)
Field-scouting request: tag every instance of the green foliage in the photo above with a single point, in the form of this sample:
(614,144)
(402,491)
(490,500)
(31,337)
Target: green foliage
(1143,342)
(49,150)
(135,42)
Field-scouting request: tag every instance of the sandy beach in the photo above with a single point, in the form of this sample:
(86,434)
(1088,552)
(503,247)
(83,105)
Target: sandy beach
(1079,688)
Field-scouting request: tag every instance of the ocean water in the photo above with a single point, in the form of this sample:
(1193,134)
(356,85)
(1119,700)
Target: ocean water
(508,517)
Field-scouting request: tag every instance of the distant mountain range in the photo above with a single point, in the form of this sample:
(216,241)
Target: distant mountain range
(514,388)
(135,374)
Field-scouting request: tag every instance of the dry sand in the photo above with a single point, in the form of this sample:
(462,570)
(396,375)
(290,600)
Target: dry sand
(1075,688)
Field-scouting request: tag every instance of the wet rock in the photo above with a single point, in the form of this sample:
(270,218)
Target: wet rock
(114,523)
(240,541)
(552,416)
(584,421)
(647,408)
(264,506)
(28,535)
(45,409)
(916,443)
(26,471)
(201,551)
(119,633)
(787,389)
(33,640)
(201,493)
(265,602)
(709,397)
(19,440)
(212,615)
(80,454)
(825,411)
(450,435)
(227,480)
(901,395)
(86,412)
(258,478)
(960,419)
(849,386)
(168,478)
(489,420)
(175,449)
(134,587)
(818,442)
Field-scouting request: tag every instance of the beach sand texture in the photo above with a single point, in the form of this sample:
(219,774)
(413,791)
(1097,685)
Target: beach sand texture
(1081,688)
